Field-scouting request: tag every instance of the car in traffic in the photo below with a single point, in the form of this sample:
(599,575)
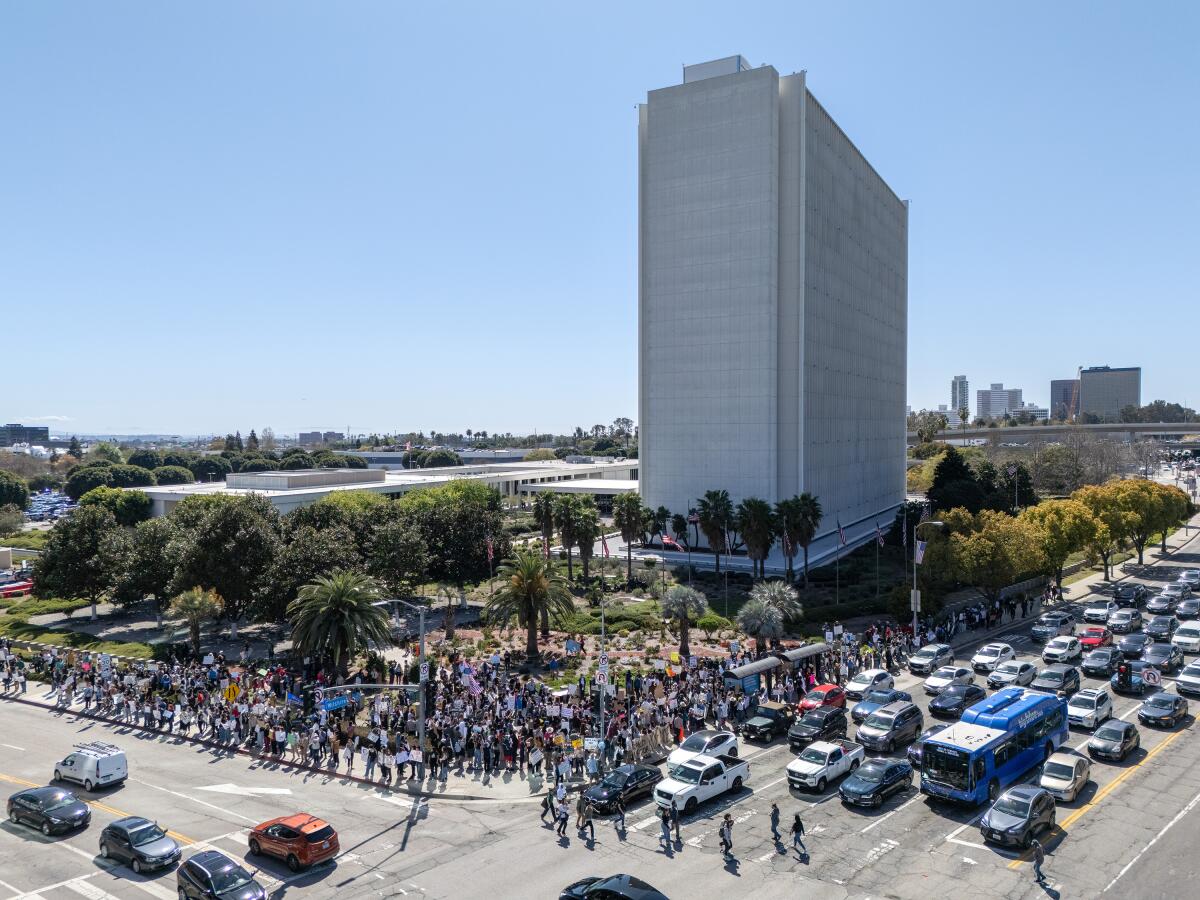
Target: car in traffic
(1188,609)
(699,780)
(930,657)
(874,700)
(1099,611)
(1161,628)
(951,702)
(822,762)
(1018,815)
(1101,663)
(1132,646)
(1168,598)
(1062,649)
(821,724)
(770,720)
(1164,709)
(93,765)
(1125,621)
(946,676)
(1057,679)
(1014,673)
(140,843)
(1128,679)
(891,726)
(612,887)
(1188,680)
(1187,637)
(1051,625)
(867,680)
(823,695)
(1190,577)
(1064,775)
(916,750)
(208,874)
(876,780)
(51,810)
(989,656)
(301,840)
(1089,707)
(1114,740)
(1130,595)
(1167,658)
(1095,636)
(629,782)
(706,742)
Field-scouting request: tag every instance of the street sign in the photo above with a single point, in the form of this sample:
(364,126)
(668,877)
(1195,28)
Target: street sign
(602,677)
(334,703)
(318,696)
(231,692)
(424,671)
(603,661)
(1151,677)
(915,600)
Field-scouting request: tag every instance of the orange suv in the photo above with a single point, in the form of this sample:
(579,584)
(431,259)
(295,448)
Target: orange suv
(300,840)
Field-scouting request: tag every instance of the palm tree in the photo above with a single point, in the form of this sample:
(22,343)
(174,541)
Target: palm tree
(684,606)
(716,515)
(679,528)
(756,522)
(587,529)
(761,621)
(531,589)
(335,617)
(799,518)
(565,515)
(629,516)
(778,595)
(658,520)
(543,516)
(196,606)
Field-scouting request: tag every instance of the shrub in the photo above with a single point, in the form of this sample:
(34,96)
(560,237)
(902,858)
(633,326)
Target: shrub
(173,475)
(711,622)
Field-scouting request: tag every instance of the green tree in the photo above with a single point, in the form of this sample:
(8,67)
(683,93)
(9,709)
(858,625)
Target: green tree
(252,441)
(756,521)
(761,621)
(441,458)
(397,555)
(565,518)
(1063,527)
(657,522)
(148,566)
(683,606)
(11,519)
(173,475)
(543,516)
(79,557)
(196,606)
(799,518)
(955,484)
(679,528)
(1114,523)
(334,618)
(123,476)
(587,531)
(531,589)
(13,490)
(629,515)
(297,461)
(127,507)
(106,452)
(210,468)
(710,623)
(75,449)
(540,454)
(307,555)
(716,519)
(997,553)
(146,458)
(781,596)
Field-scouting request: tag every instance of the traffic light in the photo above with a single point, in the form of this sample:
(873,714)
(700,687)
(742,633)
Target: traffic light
(1123,677)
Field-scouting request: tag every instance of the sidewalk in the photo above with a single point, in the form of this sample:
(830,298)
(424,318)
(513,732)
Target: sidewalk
(509,787)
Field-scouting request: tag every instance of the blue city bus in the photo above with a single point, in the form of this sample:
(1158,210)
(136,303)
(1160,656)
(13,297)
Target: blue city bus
(994,743)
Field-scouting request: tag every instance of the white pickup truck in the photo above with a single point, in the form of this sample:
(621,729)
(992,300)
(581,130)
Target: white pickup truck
(699,779)
(822,762)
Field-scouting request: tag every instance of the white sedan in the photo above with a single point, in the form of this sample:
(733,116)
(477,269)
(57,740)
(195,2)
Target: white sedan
(946,676)
(869,680)
(1064,775)
(1099,611)
(708,742)
(991,655)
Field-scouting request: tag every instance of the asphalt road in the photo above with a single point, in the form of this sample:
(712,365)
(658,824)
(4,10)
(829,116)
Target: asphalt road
(1131,832)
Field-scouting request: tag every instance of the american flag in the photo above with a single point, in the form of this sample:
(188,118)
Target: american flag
(787,545)
(919,554)
(904,530)
(490,550)
(878,534)
(841,533)
(604,544)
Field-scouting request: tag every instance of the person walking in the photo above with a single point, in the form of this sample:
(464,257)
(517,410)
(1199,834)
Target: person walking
(727,835)
(588,823)
(798,837)
(1039,857)
(675,819)
(775,822)
(548,807)
(619,807)
(665,822)
(564,816)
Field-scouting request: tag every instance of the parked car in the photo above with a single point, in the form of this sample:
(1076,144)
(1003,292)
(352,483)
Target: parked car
(951,702)
(1095,636)
(823,695)
(821,724)
(868,680)
(707,742)
(946,676)
(209,874)
(1101,663)
(1051,625)
(769,721)
(140,843)
(1013,673)
(1099,611)
(1089,707)
(1161,628)
(51,810)
(1163,708)
(1057,679)
(1114,740)
(1064,775)
(889,727)
(874,700)
(1125,621)
(1062,649)
(930,657)
(1018,815)
(876,780)
(991,655)
(629,782)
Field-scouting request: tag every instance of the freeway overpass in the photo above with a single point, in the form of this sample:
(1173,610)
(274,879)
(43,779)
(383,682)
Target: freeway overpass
(1125,430)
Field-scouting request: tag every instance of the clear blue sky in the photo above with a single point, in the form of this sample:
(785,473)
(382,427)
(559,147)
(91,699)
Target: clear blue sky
(219,216)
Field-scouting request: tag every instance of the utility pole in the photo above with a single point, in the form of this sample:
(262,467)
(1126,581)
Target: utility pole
(423,680)
(602,683)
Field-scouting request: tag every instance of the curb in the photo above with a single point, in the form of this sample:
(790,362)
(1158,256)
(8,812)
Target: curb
(290,766)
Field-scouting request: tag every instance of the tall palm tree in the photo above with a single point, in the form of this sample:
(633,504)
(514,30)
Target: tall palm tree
(716,516)
(629,515)
(657,521)
(196,606)
(543,516)
(799,518)
(334,617)
(756,522)
(566,513)
(778,595)
(761,621)
(684,606)
(587,530)
(679,528)
(531,589)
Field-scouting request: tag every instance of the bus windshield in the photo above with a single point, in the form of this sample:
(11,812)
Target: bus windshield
(946,765)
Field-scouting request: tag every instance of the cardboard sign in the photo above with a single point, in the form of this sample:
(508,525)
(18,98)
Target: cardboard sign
(552,710)
(577,743)
(674,656)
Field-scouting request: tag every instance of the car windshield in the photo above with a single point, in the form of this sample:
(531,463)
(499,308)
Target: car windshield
(816,720)
(147,834)
(58,801)
(925,653)
(945,764)
(956,690)
(689,774)
(1058,770)
(813,756)
(1122,616)
(872,772)
(1110,733)
(230,879)
(879,720)
(877,697)
(695,742)
(1009,668)
(1192,671)
(862,678)
(1084,702)
(1012,806)
(989,651)
(616,779)
(1051,676)
(321,834)
(1160,701)
(945,672)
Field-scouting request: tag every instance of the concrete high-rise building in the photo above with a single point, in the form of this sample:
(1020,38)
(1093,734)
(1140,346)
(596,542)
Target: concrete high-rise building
(960,396)
(1064,398)
(1104,392)
(14,433)
(773,302)
(996,401)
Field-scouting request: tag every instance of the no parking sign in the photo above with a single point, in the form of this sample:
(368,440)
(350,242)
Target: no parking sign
(1152,677)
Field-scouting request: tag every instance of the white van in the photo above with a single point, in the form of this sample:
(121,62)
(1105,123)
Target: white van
(1187,637)
(94,765)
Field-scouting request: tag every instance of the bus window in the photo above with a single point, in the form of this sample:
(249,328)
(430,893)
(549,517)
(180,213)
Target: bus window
(977,771)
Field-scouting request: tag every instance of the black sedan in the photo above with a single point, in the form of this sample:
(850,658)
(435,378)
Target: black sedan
(1101,662)
(951,702)
(876,780)
(1114,740)
(916,750)
(139,842)
(1188,609)
(1166,658)
(821,724)
(1057,679)
(628,782)
(1163,708)
(614,887)
(1132,646)
(209,875)
(1161,603)
(1130,595)
(50,809)
(1161,628)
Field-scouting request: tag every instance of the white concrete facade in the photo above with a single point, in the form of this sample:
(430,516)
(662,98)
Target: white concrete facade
(772,301)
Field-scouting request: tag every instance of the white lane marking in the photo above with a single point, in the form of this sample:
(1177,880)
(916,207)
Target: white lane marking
(764,752)
(906,803)
(765,856)
(91,891)
(963,843)
(14,747)
(15,890)
(695,841)
(969,861)
(240,836)
(229,788)
(219,809)
(150,887)
(20,895)
(772,783)
(1154,840)
(638,826)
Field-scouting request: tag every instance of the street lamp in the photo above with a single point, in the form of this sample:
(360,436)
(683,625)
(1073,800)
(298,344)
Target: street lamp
(916,594)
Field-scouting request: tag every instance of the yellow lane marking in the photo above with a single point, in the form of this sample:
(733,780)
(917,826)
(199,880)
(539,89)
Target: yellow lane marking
(1061,828)
(120,814)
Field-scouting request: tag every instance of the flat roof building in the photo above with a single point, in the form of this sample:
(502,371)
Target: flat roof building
(772,302)
(997,401)
(23,434)
(1105,391)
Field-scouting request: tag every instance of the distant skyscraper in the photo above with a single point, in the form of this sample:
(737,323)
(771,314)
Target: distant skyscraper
(1104,392)
(960,397)
(995,402)
(23,434)
(773,302)
(1064,398)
